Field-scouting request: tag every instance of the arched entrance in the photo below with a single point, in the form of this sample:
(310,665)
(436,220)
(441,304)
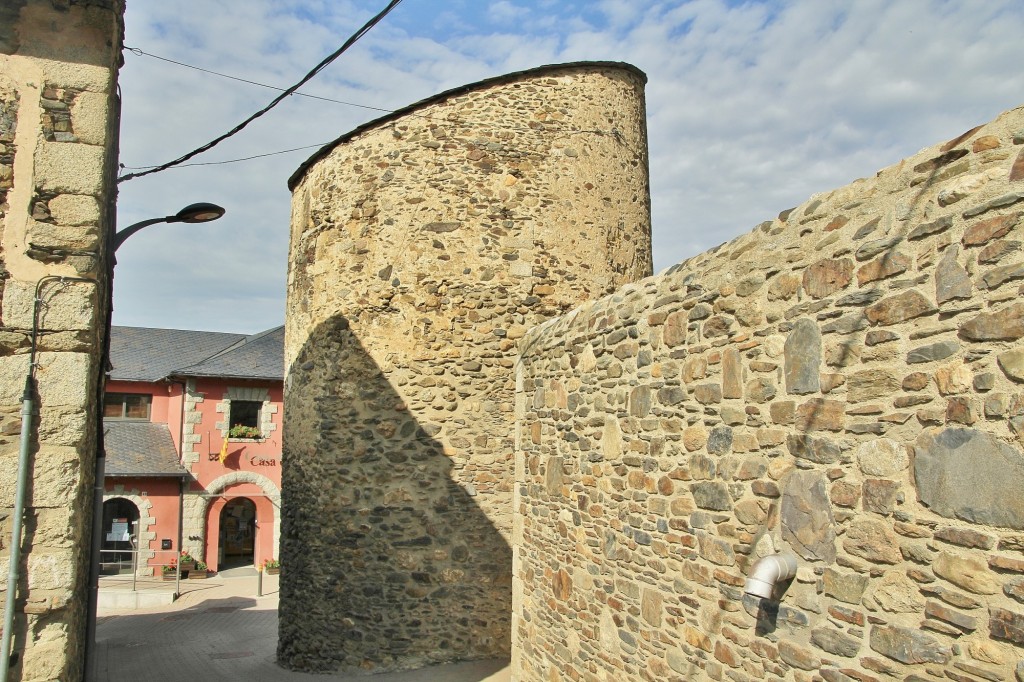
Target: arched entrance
(237,542)
(120,536)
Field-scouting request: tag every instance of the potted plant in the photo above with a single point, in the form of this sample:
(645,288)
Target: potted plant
(246,432)
(199,572)
(169,571)
(186,561)
(271,566)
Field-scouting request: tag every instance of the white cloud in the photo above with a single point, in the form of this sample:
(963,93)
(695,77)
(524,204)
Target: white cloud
(752,107)
(505,11)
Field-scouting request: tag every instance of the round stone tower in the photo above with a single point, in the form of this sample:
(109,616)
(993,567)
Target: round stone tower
(423,245)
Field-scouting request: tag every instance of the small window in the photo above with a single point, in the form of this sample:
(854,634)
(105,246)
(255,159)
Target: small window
(245,413)
(126,405)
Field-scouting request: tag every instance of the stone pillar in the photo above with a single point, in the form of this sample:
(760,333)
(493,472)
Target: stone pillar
(58,131)
(423,247)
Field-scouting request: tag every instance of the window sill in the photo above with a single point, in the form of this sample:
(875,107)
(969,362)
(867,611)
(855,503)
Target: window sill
(260,439)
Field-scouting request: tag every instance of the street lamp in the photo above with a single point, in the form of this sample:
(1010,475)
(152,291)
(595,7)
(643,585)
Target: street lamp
(193,213)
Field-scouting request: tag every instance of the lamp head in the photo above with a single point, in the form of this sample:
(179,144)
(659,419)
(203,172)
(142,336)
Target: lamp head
(198,213)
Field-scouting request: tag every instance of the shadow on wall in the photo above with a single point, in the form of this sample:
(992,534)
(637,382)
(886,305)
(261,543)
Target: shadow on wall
(389,564)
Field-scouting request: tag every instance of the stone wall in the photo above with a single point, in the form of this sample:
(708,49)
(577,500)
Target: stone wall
(58,66)
(843,383)
(423,247)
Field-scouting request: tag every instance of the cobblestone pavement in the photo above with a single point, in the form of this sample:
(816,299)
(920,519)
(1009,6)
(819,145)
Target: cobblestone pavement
(219,629)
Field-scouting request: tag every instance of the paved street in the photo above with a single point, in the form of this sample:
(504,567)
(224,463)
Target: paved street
(220,630)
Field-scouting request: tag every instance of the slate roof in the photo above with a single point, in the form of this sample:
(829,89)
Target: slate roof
(260,356)
(137,448)
(145,354)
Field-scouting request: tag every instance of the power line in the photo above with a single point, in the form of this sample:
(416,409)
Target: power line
(445,121)
(137,51)
(277,100)
(220,163)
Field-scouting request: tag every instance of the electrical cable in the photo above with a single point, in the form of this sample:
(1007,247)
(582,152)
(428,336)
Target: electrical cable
(220,163)
(277,100)
(137,51)
(444,121)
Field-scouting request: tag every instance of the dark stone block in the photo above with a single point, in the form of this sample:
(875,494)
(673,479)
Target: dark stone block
(803,358)
(846,587)
(986,230)
(951,279)
(720,440)
(996,277)
(900,308)
(671,395)
(932,352)
(873,248)
(1003,325)
(908,646)
(640,401)
(934,227)
(818,450)
(860,298)
(712,495)
(835,642)
(807,521)
(827,276)
(948,615)
(970,475)
(847,324)
(999,202)
(1006,625)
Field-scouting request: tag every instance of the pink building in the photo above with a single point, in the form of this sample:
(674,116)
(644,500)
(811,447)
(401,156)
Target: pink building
(192,431)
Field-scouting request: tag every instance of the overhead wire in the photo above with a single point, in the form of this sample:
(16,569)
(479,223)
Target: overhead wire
(221,163)
(277,100)
(137,51)
(449,120)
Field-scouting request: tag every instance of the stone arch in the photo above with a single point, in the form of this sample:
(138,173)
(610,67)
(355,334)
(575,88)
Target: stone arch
(146,521)
(196,506)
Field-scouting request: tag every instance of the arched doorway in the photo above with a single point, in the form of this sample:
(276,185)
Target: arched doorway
(237,545)
(120,536)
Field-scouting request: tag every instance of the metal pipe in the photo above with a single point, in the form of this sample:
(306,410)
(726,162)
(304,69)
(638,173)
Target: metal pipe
(24,455)
(767,572)
(135,557)
(13,570)
(181,527)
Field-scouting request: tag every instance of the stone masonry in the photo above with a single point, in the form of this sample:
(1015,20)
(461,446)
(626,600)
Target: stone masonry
(58,69)
(424,245)
(845,383)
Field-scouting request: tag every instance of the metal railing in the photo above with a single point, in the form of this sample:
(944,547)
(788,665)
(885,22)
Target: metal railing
(115,563)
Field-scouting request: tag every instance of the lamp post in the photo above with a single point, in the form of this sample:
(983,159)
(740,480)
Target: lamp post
(193,213)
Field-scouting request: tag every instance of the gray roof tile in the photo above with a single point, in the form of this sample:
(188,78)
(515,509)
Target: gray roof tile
(139,449)
(144,354)
(260,356)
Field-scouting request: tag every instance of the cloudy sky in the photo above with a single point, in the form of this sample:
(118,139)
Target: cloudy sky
(752,107)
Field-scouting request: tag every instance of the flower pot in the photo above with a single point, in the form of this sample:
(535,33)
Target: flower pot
(168,576)
(273,571)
